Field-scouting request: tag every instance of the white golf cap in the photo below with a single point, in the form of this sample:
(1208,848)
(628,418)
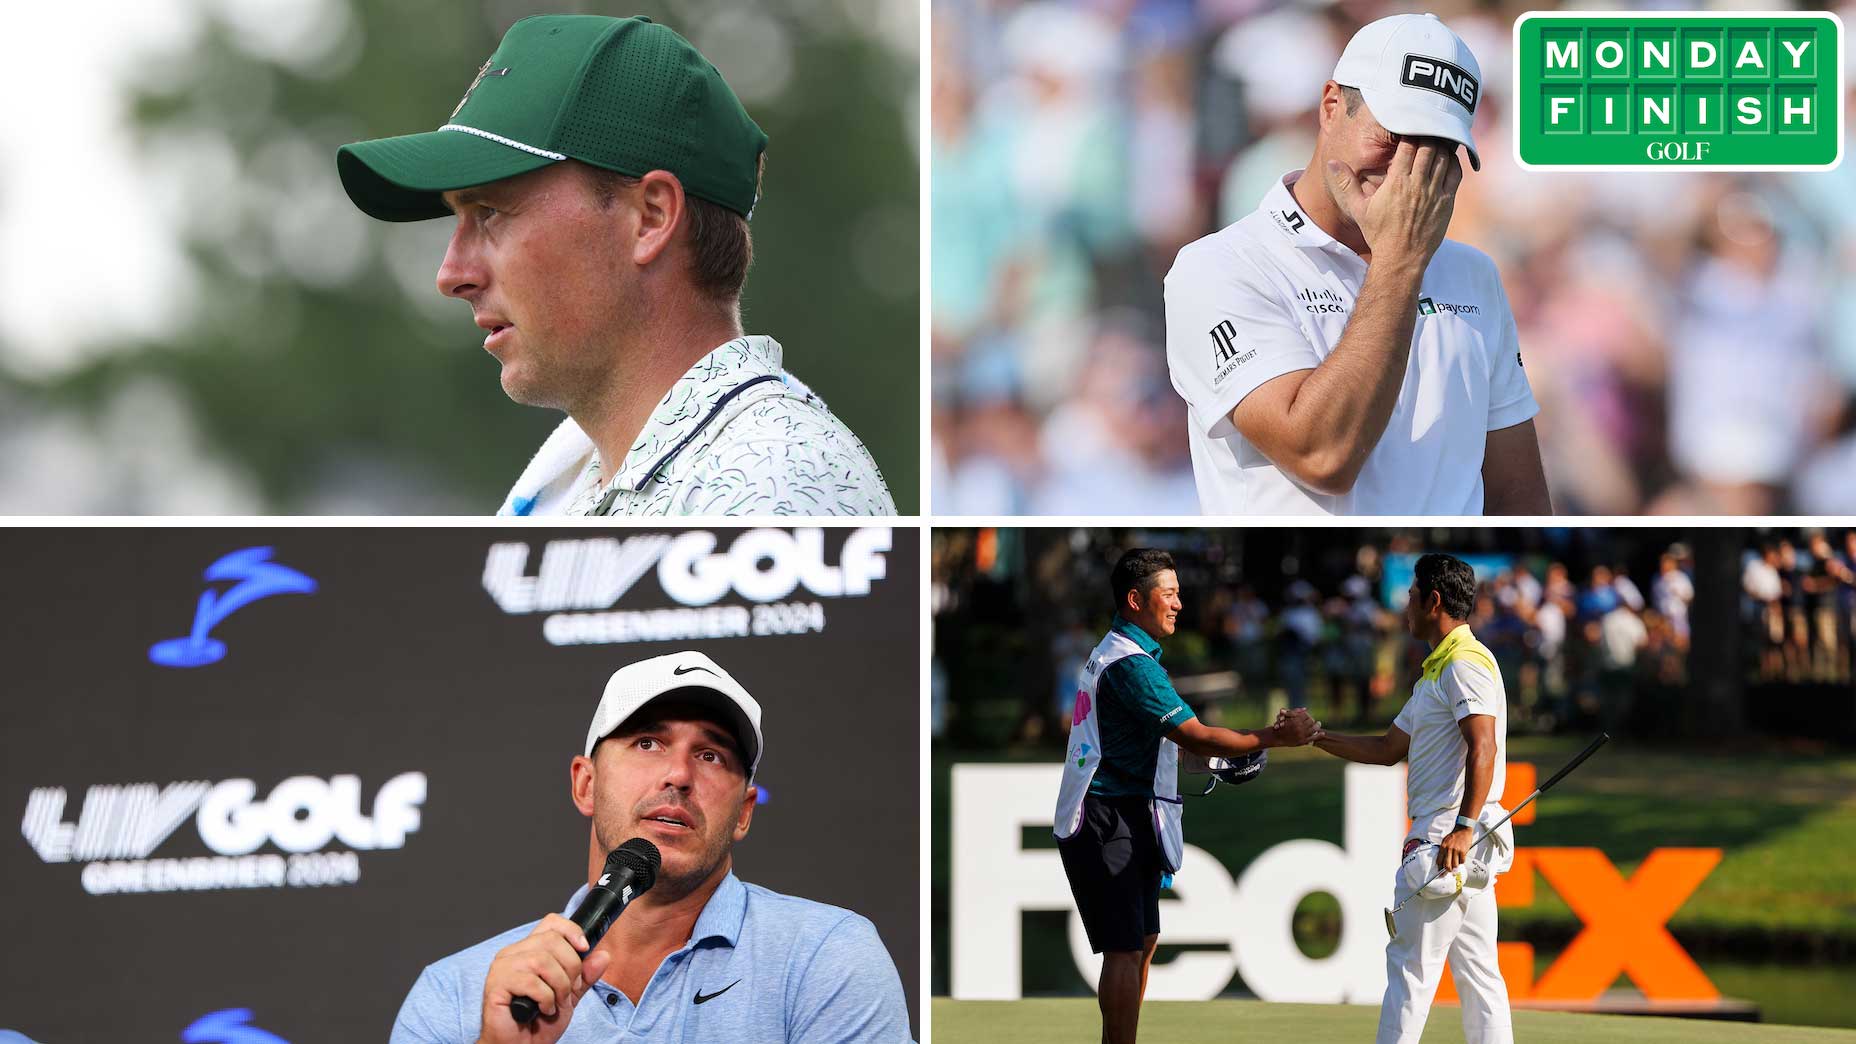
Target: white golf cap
(692,677)
(1418,78)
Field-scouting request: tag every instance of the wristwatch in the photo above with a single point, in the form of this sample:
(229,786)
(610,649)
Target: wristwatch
(1466,822)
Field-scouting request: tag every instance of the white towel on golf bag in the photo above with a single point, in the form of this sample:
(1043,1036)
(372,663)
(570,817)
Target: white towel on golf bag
(1417,872)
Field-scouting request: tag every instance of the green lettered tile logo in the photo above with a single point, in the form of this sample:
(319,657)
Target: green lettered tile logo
(1707,91)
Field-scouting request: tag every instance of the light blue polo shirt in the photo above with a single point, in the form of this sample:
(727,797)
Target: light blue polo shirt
(769,967)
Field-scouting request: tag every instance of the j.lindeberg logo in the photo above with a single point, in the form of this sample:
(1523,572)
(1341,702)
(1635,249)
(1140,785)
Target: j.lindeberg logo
(1289,221)
(1434,74)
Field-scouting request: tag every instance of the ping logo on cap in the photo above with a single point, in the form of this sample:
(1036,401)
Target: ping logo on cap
(1446,78)
(1722,91)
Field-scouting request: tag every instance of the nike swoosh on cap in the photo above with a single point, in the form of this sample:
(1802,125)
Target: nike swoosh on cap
(686,670)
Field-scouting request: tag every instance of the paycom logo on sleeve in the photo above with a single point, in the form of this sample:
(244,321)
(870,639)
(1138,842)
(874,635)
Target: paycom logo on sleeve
(1687,91)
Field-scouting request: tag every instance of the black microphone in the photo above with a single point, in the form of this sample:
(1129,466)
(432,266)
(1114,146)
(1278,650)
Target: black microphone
(631,870)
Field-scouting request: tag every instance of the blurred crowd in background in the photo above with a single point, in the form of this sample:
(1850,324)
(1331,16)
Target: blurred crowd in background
(1799,603)
(1691,340)
(1590,628)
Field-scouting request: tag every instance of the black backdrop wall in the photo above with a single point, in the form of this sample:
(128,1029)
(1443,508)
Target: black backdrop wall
(322,788)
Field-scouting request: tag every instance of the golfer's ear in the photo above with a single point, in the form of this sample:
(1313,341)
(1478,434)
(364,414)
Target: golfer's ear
(745,819)
(1332,104)
(580,779)
(661,210)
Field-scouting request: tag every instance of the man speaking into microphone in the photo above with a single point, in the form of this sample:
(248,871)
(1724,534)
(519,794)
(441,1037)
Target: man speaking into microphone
(698,955)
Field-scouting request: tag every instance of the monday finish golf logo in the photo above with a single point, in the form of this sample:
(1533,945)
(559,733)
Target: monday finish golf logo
(1686,91)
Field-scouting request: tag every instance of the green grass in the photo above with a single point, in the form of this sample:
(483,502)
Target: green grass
(1186,1022)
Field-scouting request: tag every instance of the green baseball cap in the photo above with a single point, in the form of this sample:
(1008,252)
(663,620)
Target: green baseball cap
(625,94)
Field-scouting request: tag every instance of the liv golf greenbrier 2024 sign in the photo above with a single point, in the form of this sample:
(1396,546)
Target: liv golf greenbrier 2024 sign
(1683,91)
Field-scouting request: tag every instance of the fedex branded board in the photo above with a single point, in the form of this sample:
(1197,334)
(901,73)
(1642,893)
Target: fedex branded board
(1679,91)
(254,772)
(1238,922)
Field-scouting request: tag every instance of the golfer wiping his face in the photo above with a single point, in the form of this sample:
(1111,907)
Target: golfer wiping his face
(1336,353)
(1454,733)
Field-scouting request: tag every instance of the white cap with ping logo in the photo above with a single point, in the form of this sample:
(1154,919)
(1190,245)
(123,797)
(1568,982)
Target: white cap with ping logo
(1417,76)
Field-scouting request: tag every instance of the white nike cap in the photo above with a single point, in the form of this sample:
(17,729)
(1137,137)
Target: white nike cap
(690,676)
(1417,76)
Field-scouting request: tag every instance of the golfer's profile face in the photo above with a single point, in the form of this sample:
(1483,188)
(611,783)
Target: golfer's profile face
(1161,611)
(540,264)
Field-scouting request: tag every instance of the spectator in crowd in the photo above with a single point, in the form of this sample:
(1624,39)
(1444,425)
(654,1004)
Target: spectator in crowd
(1765,612)
(1300,634)
(1671,592)
(1820,582)
(1665,659)
(1627,589)
(1247,628)
(1553,619)
(1621,636)
(1600,595)
(1796,628)
(1361,621)
(1741,422)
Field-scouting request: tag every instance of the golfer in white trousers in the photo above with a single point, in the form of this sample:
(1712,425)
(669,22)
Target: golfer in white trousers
(1455,732)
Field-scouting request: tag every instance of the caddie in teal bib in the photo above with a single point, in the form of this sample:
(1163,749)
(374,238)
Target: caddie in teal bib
(1118,821)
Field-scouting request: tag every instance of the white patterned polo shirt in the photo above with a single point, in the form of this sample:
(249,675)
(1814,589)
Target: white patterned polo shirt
(736,435)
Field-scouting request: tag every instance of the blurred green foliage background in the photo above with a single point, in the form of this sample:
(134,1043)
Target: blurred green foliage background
(315,369)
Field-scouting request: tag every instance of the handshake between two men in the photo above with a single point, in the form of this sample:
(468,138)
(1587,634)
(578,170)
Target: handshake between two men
(1295,727)
(1237,756)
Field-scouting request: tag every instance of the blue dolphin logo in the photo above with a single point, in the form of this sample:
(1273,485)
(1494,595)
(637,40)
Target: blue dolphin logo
(257,576)
(228,1027)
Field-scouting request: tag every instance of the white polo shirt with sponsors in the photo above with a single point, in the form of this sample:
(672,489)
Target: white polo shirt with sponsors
(1271,294)
(1460,678)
